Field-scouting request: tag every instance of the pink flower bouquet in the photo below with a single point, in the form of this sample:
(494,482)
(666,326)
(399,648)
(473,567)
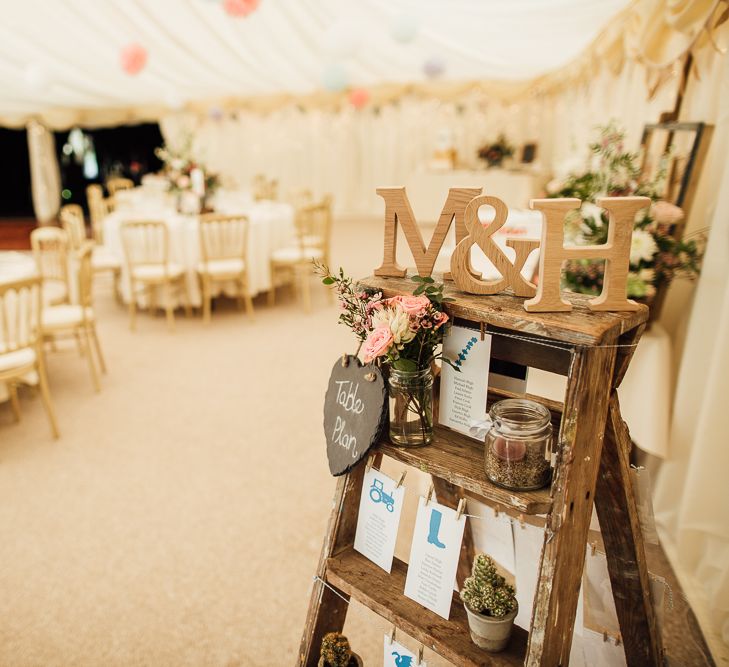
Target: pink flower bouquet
(403,331)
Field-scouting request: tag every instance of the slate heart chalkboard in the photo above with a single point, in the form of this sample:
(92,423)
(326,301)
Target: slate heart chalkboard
(355,410)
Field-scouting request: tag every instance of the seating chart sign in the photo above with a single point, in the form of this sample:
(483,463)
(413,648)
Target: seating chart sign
(354,412)
(380,506)
(463,394)
(434,556)
(396,655)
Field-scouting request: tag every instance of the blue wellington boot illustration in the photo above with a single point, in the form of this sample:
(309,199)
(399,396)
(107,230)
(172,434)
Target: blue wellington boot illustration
(435,519)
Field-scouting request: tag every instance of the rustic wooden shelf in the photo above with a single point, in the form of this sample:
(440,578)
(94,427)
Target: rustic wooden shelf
(581,326)
(354,575)
(460,461)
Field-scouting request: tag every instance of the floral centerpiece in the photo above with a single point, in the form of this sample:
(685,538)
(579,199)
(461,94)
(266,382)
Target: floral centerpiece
(656,255)
(186,176)
(401,334)
(494,154)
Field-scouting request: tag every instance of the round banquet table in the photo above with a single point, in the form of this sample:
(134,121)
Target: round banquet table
(16,266)
(271,226)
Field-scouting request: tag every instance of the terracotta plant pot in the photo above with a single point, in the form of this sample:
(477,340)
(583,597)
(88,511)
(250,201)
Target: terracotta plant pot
(354,661)
(489,633)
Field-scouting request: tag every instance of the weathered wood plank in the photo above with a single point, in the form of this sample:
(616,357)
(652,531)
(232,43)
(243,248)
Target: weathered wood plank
(361,579)
(581,326)
(459,460)
(624,548)
(327,611)
(625,354)
(573,490)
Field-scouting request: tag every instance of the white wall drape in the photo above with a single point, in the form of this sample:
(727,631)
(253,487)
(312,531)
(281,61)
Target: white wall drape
(44,172)
(351,152)
(692,495)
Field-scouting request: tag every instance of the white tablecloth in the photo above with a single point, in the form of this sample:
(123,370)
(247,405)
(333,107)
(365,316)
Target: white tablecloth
(427,190)
(645,393)
(271,226)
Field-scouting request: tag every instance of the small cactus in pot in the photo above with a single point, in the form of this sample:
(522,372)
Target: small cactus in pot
(336,652)
(490,604)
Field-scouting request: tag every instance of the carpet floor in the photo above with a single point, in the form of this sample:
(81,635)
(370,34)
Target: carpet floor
(178,519)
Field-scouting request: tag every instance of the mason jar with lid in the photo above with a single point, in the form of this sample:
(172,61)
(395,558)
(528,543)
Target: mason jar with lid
(519,445)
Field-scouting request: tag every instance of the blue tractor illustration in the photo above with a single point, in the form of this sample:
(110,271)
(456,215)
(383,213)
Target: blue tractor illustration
(378,495)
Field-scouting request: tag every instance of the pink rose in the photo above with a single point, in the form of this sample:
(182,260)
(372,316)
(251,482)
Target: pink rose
(665,213)
(440,319)
(412,305)
(377,344)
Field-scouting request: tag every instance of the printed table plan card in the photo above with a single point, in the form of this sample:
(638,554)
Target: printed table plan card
(380,506)
(434,556)
(463,395)
(396,655)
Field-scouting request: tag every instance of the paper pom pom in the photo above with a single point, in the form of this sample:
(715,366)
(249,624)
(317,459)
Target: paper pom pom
(133,58)
(433,67)
(215,113)
(342,39)
(35,77)
(334,78)
(359,97)
(240,7)
(404,28)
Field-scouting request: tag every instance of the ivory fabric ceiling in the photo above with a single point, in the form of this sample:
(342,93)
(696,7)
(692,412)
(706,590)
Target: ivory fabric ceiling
(58,56)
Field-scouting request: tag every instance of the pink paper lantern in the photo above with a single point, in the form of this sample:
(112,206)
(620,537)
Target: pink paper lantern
(133,58)
(359,97)
(240,7)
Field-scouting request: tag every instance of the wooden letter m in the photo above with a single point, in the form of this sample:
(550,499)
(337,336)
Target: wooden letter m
(398,210)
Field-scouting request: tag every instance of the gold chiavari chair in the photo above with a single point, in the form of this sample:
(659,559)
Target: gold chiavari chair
(21,349)
(223,250)
(72,220)
(102,261)
(264,189)
(50,251)
(78,319)
(146,249)
(292,265)
(99,208)
(115,184)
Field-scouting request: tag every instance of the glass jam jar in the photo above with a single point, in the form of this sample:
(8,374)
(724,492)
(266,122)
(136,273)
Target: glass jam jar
(519,445)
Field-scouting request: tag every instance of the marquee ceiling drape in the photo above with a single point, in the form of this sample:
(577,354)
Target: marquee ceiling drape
(60,61)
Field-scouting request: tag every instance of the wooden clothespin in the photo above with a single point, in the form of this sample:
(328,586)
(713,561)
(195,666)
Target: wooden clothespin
(345,360)
(483,330)
(370,462)
(421,650)
(461,508)
(402,479)
(392,634)
(604,635)
(496,512)
(430,494)
(521,521)
(593,548)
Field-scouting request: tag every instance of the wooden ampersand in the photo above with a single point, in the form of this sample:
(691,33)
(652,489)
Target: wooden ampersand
(615,252)
(483,237)
(355,410)
(399,211)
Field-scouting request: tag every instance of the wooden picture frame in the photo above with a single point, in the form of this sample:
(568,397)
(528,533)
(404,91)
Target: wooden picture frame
(528,153)
(688,143)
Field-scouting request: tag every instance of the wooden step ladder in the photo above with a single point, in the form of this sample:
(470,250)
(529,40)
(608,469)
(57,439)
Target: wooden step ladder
(593,351)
